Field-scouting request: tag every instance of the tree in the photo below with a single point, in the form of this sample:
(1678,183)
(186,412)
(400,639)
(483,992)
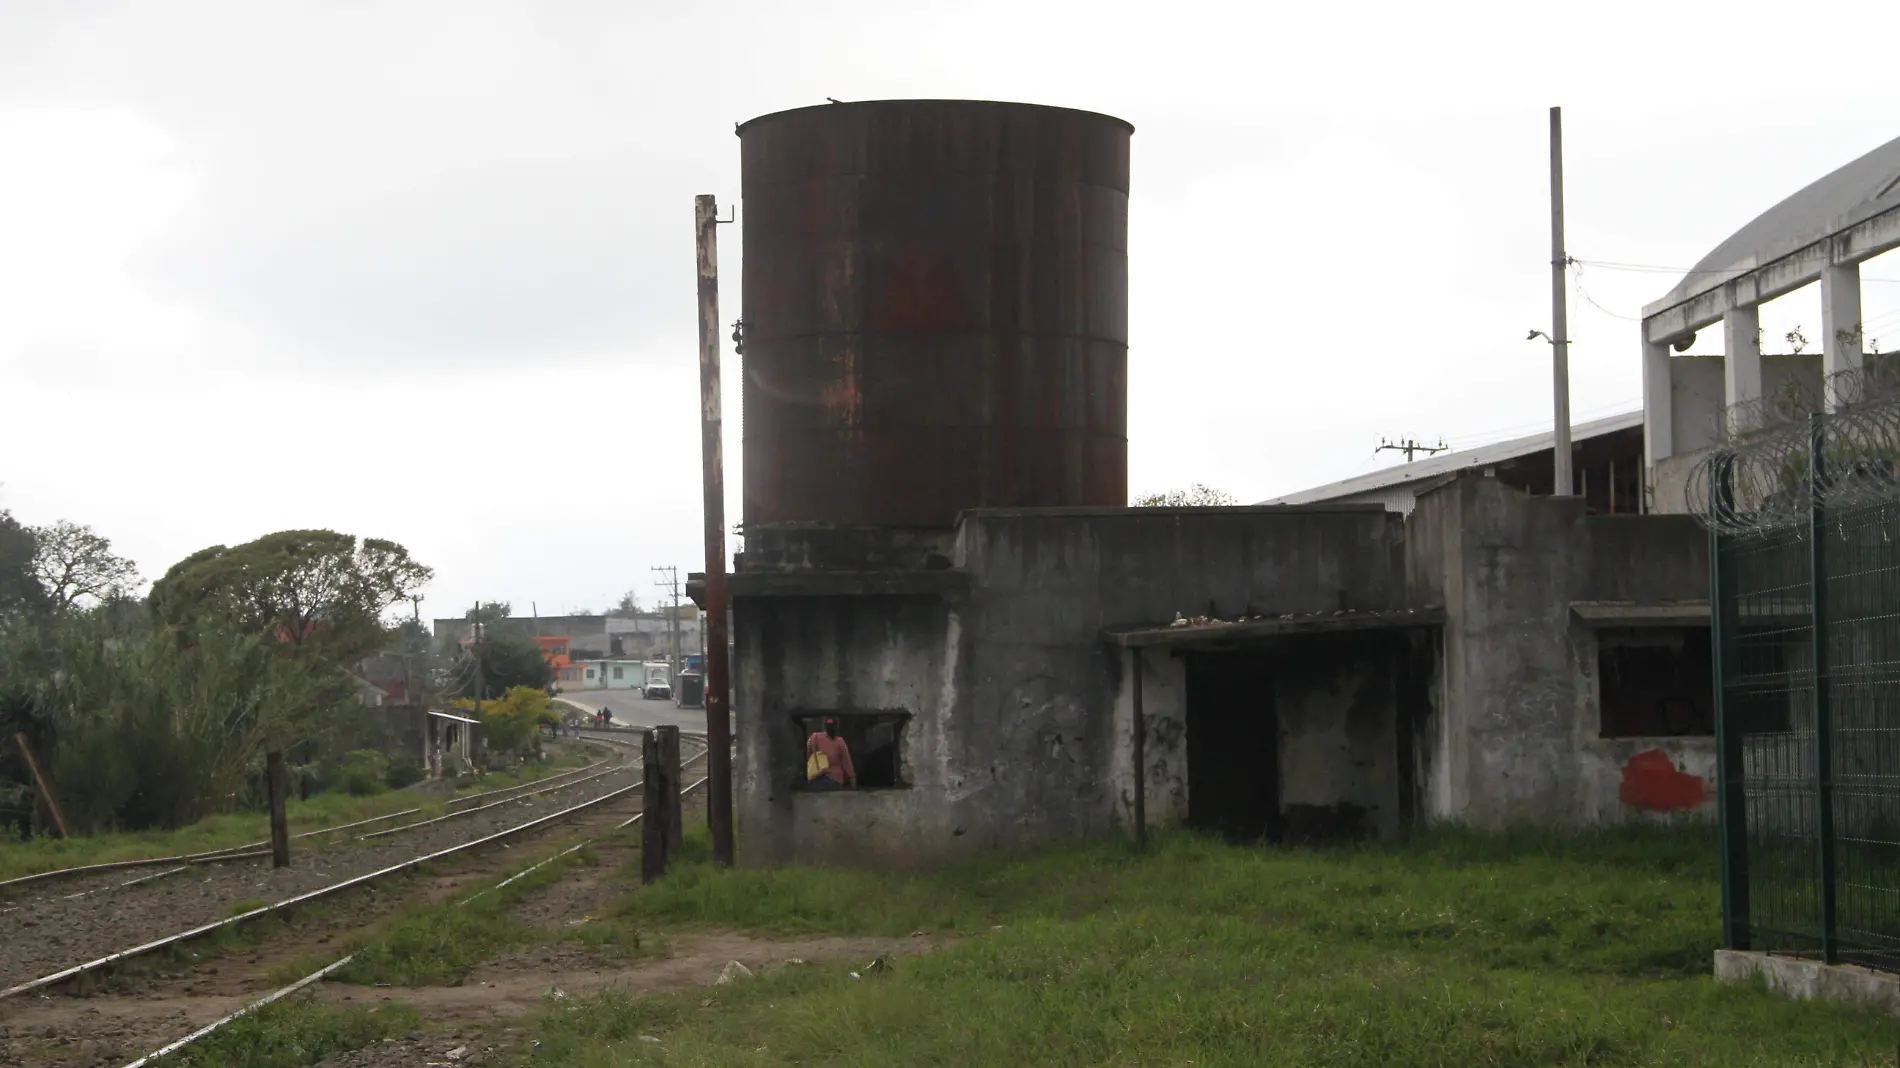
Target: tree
(72,562)
(508,661)
(513,719)
(20,591)
(488,612)
(1199,495)
(629,606)
(317,592)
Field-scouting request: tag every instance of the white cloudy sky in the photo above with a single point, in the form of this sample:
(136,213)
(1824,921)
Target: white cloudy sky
(422,268)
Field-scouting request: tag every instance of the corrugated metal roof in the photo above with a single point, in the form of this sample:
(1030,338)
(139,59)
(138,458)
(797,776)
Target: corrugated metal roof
(1422,474)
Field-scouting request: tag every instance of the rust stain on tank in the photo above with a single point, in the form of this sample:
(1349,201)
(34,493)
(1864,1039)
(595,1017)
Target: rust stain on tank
(936,308)
(842,401)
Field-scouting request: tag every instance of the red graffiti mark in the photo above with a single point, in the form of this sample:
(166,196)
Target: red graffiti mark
(1650,780)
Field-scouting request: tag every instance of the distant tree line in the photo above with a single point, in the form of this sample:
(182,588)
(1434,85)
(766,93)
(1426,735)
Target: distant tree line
(152,711)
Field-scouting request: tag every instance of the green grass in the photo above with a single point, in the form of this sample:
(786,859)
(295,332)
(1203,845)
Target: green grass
(223,830)
(294,1032)
(1457,949)
(440,943)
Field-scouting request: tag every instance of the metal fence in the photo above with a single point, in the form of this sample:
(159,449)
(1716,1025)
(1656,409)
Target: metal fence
(1804,522)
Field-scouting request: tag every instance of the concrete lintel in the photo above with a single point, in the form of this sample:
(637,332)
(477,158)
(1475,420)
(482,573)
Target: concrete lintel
(952,582)
(1630,614)
(1805,980)
(1668,319)
(1264,629)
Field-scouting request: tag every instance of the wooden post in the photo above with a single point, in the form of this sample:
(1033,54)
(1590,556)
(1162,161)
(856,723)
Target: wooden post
(278,785)
(713,460)
(46,790)
(1141,760)
(652,809)
(670,791)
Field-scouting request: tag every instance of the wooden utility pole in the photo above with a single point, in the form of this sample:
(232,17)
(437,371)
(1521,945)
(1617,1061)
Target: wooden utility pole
(45,789)
(653,814)
(1561,484)
(278,785)
(1408,446)
(712,456)
(670,767)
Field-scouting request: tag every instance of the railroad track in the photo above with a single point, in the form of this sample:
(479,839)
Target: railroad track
(324,972)
(254,850)
(214,912)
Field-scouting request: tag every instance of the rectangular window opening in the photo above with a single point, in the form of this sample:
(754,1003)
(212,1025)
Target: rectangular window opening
(1655,682)
(875,741)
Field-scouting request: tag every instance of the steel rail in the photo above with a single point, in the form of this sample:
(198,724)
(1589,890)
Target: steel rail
(311,895)
(326,970)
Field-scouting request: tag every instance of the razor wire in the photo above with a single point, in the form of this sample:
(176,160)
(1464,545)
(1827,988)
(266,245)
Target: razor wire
(1759,478)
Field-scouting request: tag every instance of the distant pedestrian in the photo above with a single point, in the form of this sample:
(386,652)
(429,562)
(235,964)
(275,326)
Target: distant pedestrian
(828,760)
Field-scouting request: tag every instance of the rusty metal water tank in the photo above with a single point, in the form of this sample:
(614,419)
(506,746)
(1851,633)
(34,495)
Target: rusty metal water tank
(936,311)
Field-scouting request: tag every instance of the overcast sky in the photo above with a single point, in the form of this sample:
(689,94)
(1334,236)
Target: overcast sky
(423,270)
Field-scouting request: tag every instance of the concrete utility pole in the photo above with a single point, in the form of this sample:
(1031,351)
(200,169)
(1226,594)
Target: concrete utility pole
(712,455)
(671,583)
(1562,484)
(1408,446)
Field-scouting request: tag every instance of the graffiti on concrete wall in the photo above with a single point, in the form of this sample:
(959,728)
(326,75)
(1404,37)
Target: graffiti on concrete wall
(1653,781)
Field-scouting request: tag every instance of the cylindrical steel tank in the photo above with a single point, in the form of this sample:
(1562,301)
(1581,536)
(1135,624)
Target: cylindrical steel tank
(936,311)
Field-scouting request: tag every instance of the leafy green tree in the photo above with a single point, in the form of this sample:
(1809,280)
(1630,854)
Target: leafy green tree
(1198,495)
(489,612)
(628,607)
(513,720)
(20,591)
(318,592)
(74,562)
(508,661)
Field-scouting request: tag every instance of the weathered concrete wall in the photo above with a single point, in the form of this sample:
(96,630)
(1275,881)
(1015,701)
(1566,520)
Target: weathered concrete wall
(1515,731)
(1021,715)
(812,655)
(1336,698)
(1165,760)
(1697,401)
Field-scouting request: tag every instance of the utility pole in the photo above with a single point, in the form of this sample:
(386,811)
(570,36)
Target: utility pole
(476,648)
(671,583)
(1409,446)
(1561,478)
(712,457)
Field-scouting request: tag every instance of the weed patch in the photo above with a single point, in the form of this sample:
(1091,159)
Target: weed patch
(294,1032)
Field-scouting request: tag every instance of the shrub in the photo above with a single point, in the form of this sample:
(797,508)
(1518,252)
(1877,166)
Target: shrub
(406,772)
(363,771)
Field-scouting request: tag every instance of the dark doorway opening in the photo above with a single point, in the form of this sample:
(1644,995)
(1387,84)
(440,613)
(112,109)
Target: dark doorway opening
(1233,741)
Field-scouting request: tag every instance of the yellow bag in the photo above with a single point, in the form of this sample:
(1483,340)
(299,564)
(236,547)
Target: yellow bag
(816,766)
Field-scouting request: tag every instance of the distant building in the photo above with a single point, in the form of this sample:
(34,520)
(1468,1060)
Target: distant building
(569,640)
(1607,459)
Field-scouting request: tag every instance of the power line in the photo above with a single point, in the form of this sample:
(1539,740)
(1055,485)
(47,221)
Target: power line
(1611,265)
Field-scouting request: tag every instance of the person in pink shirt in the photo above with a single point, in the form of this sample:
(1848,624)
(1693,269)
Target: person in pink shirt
(838,773)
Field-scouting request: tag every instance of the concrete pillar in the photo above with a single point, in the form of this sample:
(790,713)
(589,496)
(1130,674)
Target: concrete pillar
(1659,436)
(1741,366)
(1840,329)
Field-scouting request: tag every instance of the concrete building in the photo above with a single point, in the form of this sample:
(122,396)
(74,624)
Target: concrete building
(1492,657)
(1823,233)
(1607,461)
(570,639)
(938,554)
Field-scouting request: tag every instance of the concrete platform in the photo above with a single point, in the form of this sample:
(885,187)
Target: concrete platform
(1807,979)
